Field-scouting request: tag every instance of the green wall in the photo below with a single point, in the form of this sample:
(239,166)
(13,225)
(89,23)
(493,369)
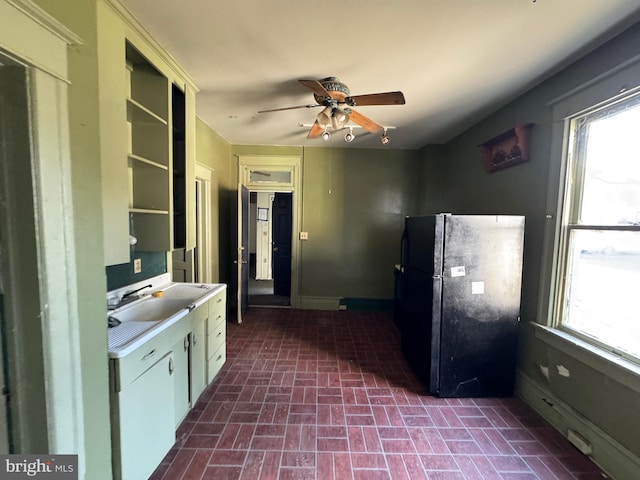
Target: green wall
(604,401)
(354,205)
(87,206)
(215,152)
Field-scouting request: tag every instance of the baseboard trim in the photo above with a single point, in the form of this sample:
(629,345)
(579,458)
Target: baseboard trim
(612,457)
(367,304)
(318,303)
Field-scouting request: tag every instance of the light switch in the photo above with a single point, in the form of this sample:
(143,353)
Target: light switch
(304,235)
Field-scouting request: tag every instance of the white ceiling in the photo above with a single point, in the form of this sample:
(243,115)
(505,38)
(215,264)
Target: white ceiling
(456,61)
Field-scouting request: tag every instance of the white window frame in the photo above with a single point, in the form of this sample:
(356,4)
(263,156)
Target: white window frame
(617,85)
(573,199)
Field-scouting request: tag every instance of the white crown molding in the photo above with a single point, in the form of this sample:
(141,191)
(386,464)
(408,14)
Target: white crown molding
(134,24)
(36,13)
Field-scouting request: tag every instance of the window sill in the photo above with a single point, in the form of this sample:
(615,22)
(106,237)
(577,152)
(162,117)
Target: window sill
(613,366)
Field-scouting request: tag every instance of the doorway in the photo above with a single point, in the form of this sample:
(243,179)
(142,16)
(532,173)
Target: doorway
(40,409)
(271,222)
(203,264)
(270,230)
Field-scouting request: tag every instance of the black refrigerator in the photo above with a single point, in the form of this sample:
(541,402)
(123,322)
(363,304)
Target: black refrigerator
(458,301)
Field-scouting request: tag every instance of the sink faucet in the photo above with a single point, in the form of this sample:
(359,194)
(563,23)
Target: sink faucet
(128,294)
(129,297)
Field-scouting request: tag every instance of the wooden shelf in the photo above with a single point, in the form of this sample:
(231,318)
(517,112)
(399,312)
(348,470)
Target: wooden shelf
(146,161)
(136,112)
(149,211)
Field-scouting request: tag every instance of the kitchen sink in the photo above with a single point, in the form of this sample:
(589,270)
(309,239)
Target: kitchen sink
(138,321)
(186,291)
(151,309)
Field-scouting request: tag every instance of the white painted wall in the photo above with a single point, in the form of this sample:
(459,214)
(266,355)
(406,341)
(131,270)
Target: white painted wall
(263,238)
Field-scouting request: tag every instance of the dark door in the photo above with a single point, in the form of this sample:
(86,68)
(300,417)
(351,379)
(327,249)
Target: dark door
(281,237)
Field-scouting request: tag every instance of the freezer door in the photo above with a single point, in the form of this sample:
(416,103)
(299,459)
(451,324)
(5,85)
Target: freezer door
(481,286)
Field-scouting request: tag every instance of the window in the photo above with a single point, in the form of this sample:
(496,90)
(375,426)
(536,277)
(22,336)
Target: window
(599,268)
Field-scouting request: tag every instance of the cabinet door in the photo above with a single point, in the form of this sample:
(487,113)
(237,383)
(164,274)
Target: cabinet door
(181,379)
(190,166)
(113,135)
(198,360)
(146,427)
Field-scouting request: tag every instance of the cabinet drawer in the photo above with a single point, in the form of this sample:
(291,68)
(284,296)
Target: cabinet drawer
(216,319)
(128,368)
(215,363)
(217,310)
(216,338)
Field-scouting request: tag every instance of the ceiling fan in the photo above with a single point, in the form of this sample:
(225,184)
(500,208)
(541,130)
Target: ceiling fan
(338,104)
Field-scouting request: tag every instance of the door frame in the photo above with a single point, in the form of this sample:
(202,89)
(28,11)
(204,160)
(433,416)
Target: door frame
(277,163)
(203,219)
(39,42)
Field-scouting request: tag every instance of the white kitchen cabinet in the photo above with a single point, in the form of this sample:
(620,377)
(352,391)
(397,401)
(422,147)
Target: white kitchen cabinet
(198,373)
(216,335)
(181,379)
(145,418)
(156,381)
(190,363)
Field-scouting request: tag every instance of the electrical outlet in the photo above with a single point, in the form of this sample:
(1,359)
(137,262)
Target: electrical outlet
(137,265)
(304,236)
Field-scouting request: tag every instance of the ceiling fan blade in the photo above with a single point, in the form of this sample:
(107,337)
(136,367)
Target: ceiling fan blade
(365,122)
(288,108)
(388,98)
(316,86)
(316,130)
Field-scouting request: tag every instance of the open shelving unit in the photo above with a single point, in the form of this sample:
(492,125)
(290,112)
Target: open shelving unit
(149,157)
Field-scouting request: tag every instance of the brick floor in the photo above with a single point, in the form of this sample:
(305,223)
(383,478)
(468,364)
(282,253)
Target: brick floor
(328,395)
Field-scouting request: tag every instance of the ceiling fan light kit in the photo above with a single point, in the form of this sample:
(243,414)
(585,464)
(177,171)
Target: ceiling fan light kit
(384,138)
(331,94)
(349,137)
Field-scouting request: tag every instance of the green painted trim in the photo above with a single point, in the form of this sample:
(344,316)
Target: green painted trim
(367,304)
(613,366)
(319,303)
(616,460)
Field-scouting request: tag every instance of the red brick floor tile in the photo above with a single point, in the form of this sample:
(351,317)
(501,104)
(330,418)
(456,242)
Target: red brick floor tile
(439,462)
(371,474)
(228,457)
(180,464)
(368,460)
(468,468)
(223,473)
(308,437)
